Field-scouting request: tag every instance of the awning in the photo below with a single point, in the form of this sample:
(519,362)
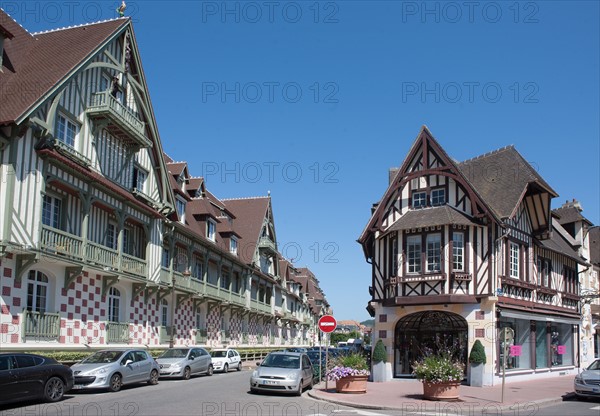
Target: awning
(539,317)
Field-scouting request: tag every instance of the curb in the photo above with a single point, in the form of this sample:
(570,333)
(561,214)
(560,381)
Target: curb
(509,407)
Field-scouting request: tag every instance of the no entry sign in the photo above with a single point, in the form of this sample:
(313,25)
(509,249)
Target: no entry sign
(327,323)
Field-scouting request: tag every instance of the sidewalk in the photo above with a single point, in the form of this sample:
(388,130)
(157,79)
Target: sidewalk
(406,396)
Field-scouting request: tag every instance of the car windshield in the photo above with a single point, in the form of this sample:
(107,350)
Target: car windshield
(218,354)
(595,365)
(175,353)
(281,361)
(103,357)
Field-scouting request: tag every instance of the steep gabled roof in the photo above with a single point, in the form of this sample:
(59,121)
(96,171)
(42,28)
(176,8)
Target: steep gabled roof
(35,64)
(502,178)
(250,214)
(559,244)
(569,213)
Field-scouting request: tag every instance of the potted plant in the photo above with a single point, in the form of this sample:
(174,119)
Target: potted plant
(350,373)
(441,375)
(477,359)
(382,370)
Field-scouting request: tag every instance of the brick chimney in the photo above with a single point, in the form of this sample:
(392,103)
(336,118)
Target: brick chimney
(572,204)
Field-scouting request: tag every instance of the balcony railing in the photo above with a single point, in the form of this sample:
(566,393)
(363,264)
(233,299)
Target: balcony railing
(60,243)
(164,334)
(102,256)
(263,307)
(201,336)
(41,325)
(212,290)
(267,244)
(55,241)
(117,332)
(103,104)
(133,265)
(71,153)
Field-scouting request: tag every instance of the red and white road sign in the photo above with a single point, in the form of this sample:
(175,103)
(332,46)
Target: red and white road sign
(327,323)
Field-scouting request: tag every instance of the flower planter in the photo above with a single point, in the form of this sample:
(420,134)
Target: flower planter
(441,391)
(352,384)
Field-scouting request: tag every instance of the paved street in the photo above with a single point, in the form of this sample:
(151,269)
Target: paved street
(228,395)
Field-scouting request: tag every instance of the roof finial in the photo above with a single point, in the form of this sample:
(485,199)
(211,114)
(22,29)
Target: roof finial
(269,193)
(121,9)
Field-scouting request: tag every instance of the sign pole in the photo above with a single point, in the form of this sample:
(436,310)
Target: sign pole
(504,333)
(326,361)
(327,325)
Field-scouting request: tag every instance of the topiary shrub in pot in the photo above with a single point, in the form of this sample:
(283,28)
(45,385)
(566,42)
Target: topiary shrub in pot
(382,370)
(477,360)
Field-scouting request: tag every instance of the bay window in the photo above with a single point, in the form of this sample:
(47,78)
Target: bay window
(413,253)
(458,251)
(434,253)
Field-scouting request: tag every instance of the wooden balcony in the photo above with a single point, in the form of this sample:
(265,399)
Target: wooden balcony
(122,122)
(260,306)
(265,243)
(41,325)
(62,244)
(71,153)
(117,332)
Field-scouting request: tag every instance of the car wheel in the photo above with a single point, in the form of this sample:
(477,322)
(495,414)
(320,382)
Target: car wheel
(225,368)
(239,367)
(153,377)
(115,383)
(299,391)
(210,370)
(187,373)
(54,389)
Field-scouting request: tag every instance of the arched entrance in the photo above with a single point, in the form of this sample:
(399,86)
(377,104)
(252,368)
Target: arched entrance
(420,332)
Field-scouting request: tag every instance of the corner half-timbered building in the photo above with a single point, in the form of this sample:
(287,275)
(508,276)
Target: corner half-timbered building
(460,251)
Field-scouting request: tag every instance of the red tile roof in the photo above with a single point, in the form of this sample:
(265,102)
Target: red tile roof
(34,64)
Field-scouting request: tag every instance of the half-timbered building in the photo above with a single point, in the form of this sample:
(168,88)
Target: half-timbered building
(105,240)
(460,251)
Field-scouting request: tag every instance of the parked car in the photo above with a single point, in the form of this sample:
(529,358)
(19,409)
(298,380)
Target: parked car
(29,376)
(285,372)
(225,359)
(185,362)
(587,383)
(111,369)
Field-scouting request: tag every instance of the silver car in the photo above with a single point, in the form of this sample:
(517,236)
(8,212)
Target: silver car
(587,383)
(184,362)
(282,371)
(111,369)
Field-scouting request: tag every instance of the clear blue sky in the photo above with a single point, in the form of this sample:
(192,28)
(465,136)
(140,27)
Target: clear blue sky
(315,101)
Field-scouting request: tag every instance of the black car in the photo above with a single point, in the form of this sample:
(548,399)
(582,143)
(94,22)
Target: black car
(29,376)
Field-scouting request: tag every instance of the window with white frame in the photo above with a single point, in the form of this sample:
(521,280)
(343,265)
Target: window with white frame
(37,291)
(438,197)
(514,260)
(66,130)
(164,312)
(111,236)
(233,245)
(198,268)
(434,253)
(544,267)
(166,258)
(413,254)
(51,211)
(419,199)
(458,251)
(180,205)
(211,228)
(139,178)
(114,304)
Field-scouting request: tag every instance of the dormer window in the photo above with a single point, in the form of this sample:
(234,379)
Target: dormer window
(233,246)
(180,205)
(211,228)
(419,199)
